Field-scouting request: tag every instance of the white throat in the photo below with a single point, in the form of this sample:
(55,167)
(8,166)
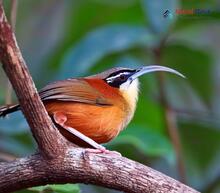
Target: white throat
(130,93)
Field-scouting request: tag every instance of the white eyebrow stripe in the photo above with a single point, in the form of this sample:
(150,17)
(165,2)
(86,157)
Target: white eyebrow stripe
(110,79)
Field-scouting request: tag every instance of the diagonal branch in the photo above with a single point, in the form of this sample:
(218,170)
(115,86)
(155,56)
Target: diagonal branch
(57,161)
(17,72)
(13,15)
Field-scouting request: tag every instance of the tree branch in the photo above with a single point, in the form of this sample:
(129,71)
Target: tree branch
(80,167)
(17,72)
(57,161)
(13,15)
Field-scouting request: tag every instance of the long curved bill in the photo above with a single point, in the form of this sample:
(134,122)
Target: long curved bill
(153,68)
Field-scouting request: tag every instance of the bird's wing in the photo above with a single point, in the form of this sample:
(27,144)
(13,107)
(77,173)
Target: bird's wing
(76,90)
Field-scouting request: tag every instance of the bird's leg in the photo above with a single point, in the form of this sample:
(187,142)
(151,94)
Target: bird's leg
(60,118)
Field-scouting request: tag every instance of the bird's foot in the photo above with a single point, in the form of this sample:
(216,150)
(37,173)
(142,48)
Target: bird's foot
(102,150)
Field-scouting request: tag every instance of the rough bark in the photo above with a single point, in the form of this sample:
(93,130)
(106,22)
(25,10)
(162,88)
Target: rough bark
(19,76)
(57,161)
(79,167)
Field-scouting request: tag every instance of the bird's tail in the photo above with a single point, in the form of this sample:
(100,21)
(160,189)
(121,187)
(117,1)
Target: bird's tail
(4,110)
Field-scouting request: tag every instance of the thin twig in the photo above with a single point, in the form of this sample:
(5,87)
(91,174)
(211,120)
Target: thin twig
(170,118)
(6,157)
(13,15)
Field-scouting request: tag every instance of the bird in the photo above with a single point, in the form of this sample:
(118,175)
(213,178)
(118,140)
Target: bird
(93,110)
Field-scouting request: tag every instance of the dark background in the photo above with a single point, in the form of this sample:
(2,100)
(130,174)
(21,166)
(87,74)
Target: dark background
(63,39)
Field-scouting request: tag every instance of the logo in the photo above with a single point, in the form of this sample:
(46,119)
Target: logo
(167,14)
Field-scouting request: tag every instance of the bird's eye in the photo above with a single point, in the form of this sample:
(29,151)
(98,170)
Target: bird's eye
(119,77)
(122,77)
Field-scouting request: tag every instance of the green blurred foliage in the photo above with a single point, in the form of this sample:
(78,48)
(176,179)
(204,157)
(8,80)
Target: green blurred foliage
(66,188)
(62,39)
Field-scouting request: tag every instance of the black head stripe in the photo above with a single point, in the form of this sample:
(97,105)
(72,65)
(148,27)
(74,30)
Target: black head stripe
(117,78)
